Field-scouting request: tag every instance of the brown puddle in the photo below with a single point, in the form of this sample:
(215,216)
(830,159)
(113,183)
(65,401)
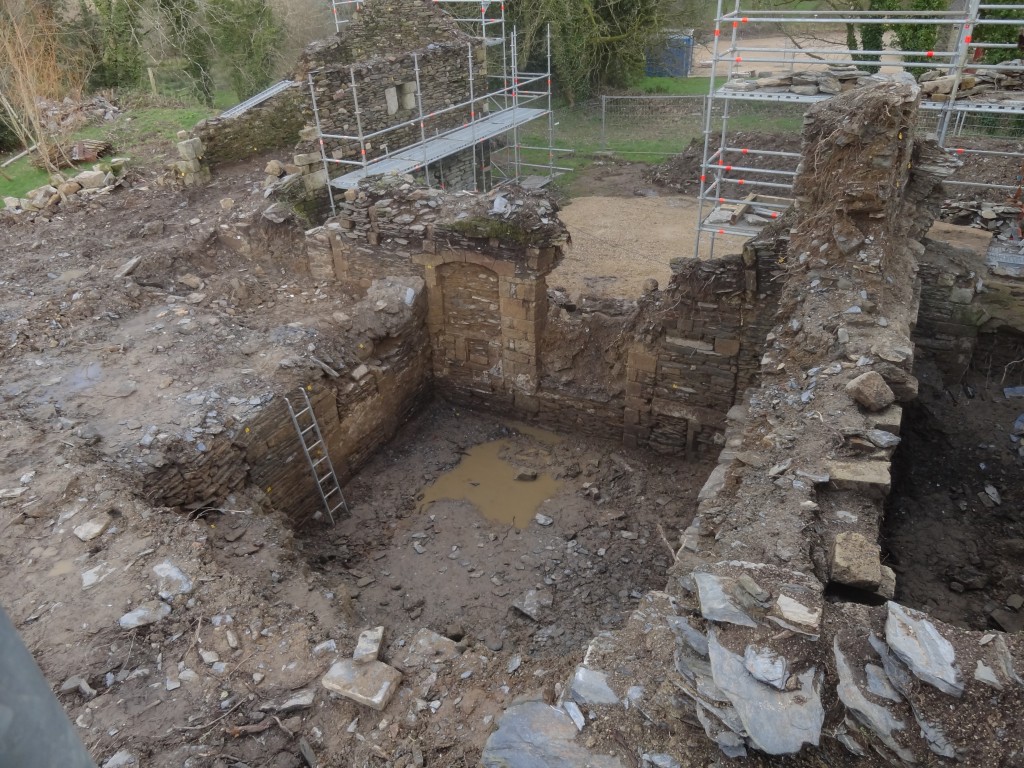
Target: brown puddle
(489,483)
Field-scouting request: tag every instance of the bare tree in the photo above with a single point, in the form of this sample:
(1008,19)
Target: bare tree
(33,67)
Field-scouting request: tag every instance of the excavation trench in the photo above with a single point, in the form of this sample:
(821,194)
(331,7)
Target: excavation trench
(953,530)
(443,535)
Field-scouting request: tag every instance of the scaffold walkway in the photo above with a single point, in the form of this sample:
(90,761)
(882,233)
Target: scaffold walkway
(436,148)
(258,99)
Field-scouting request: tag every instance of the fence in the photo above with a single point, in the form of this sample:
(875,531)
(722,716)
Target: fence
(654,125)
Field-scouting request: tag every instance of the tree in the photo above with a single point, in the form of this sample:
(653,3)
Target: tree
(594,42)
(116,42)
(188,36)
(247,34)
(34,65)
(999,33)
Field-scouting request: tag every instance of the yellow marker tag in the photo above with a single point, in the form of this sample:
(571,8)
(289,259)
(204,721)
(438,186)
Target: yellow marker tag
(247,430)
(269,489)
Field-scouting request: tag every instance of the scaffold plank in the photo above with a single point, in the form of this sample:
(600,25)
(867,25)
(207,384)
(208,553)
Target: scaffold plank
(258,99)
(436,148)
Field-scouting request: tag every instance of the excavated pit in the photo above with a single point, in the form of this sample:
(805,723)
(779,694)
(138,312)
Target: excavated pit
(425,545)
(953,529)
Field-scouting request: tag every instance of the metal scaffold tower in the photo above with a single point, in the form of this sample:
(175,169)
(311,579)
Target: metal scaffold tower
(727,197)
(512,99)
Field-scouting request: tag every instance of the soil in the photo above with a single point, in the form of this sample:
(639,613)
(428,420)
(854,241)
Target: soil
(91,365)
(958,551)
(618,243)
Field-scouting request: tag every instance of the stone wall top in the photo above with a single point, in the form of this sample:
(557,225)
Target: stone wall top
(384,28)
(511,226)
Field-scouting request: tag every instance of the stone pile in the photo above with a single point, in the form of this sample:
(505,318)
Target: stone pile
(101,180)
(828,82)
(991,84)
(1000,219)
(62,117)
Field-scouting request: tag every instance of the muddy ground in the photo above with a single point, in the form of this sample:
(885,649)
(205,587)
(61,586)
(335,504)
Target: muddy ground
(92,365)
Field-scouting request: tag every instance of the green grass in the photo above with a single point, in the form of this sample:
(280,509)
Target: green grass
(145,121)
(676,86)
(23,177)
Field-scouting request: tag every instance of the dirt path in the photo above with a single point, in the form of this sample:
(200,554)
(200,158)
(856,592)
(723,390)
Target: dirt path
(618,243)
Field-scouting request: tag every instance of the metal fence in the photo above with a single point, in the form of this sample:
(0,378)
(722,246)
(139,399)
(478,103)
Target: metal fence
(657,124)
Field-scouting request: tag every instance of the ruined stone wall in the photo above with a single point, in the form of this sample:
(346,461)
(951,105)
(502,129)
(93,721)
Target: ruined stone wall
(661,373)
(707,334)
(796,504)
(950,316)
(385,92)
(273,125)
(358,412)
(382,27)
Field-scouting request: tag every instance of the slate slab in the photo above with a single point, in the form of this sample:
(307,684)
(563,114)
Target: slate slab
(536,735)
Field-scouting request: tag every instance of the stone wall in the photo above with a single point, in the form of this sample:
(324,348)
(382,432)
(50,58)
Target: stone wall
(796,504)
(708,331)
(273,125)
(952,311)
(358,412)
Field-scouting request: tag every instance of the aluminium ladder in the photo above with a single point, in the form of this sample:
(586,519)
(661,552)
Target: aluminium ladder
(315,448)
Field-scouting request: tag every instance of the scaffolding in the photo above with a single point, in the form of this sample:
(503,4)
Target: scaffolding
(513,99)
(726,197)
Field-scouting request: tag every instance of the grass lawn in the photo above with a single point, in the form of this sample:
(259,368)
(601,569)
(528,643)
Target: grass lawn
(676,86)
(153,122)
(19,177)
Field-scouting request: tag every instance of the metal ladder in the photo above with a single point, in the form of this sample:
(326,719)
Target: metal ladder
(316,454)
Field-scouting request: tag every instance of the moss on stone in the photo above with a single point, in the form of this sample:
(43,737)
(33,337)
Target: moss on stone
(500,229)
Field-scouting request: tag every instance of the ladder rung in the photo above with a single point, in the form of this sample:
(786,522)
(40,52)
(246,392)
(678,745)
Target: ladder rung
(321,460)
(314,444)
(307,429)
(303,411)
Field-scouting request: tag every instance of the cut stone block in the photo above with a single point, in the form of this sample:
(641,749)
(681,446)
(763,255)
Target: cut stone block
(190,149)
(368,645)
(870,477)
(371,684)
(391,98)
(855,562)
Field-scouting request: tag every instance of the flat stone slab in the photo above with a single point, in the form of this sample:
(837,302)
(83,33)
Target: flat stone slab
(919,645)
(776,722)
(716,601)
(533,602)
(426,648)
(870,477)
(147,613)
(536,735)
(591,687)
(372,683)
(876,717)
